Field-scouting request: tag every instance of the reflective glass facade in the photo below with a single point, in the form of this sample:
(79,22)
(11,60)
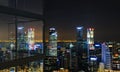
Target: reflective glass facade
(8,35)
(21,34)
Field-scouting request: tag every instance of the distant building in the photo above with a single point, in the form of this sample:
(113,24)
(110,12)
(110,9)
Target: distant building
(115,54)
(98,52)
(30,37)
(92,58)
(90,42)
(81,49)
(21,39)
(106,57)
(52,42)
(51,59)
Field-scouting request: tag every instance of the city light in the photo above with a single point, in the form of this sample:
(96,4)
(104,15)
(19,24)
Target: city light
(31,38)
(52,28)
(20,28)
(93,58)
(110,45)
(79,28)
(97,45)
(116,55)
(27,45)
(54,34)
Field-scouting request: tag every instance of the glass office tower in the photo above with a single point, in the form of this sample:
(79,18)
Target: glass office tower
(51,51)
(90,42)
(106,57)
(79,47)
(52,42)
(90,38)
(92,59)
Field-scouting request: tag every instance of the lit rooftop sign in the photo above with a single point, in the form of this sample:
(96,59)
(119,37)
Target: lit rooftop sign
(52,28)
(79,28)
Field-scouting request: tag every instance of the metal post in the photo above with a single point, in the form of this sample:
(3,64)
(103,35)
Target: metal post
(16,35)
(44,44)
(70,59)
(44,47)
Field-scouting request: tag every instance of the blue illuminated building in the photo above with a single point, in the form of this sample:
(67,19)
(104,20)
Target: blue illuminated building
(106,57)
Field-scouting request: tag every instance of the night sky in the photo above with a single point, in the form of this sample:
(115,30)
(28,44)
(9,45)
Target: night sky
(66,15)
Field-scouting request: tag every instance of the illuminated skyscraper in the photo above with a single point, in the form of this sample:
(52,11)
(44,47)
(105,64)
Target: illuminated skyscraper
(90,38)
(106,57)
(79,48)
(79,34)
(51,59)
(79,52)
(21,41)
(92,59)
(52,51)
(90,42)
(31,38)
(80,41)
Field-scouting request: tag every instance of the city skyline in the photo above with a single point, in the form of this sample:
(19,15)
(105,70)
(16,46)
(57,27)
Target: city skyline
(59,35)
(67,15)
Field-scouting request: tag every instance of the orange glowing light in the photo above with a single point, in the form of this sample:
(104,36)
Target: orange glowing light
(116,55)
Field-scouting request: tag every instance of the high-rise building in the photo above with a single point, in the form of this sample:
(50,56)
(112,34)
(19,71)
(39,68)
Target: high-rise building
(51,59)
(79,47)
(92,59)
(90,42)
(79,33)
(90,38)
(106,57)
(98,51)
(115,54)
(21,39)
(31,35)
(52,51)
